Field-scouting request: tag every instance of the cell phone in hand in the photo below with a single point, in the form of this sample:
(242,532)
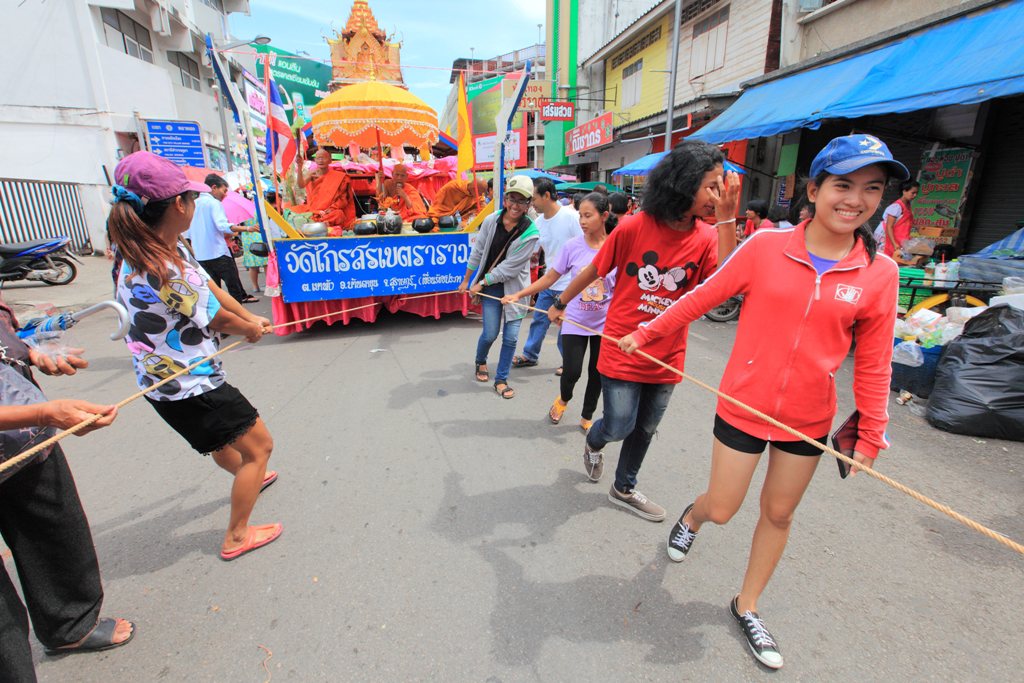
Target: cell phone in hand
(844,440)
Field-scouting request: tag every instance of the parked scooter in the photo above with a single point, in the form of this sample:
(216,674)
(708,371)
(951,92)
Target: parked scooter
(48,260)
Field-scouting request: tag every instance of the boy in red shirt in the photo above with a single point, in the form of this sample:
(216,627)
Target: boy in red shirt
(660,253)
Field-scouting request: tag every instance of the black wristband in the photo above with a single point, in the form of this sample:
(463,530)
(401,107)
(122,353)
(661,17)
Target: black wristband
(559,306)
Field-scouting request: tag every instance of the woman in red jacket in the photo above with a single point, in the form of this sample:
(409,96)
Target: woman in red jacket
(811,285)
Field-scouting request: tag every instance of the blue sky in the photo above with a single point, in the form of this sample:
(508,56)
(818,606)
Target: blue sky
(432,33)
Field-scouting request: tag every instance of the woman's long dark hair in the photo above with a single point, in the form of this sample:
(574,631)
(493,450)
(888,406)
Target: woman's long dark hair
(674,182)
(602,203)
(864,233)
(136,239)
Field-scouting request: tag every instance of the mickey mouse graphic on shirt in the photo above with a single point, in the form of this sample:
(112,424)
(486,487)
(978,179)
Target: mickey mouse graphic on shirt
(651,278)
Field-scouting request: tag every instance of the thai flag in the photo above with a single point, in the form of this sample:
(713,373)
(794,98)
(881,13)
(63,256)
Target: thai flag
(280,143)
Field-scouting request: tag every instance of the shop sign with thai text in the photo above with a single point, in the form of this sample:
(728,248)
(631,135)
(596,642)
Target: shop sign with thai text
(351,267)
(535,92)
(944,177)
(555,110)
(594,133)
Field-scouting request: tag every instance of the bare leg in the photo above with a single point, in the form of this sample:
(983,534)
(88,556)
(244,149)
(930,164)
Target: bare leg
(228,459)
(254,276)
(731,472)
(255,448)
(784,485)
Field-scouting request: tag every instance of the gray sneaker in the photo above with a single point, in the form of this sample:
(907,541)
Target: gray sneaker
(638,504)
(593,462)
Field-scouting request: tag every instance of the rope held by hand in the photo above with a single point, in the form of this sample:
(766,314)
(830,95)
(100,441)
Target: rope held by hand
(24,455)
(920,497)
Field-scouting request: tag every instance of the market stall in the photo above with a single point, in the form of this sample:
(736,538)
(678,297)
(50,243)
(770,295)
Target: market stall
(383,262)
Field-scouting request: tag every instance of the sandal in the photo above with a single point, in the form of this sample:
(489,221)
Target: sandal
(269,478)
(250,300)
(558,372)
(482,375)
(557,410)
(100,638)
(507,392)
(251,543)
(523,362)
(586,424)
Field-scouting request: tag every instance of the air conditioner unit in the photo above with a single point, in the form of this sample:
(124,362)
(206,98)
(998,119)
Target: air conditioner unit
(811,5)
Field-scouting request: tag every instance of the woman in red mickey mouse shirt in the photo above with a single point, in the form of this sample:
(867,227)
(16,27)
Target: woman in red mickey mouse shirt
(660,253)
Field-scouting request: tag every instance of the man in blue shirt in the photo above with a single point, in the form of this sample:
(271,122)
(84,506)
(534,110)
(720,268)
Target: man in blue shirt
(209,228)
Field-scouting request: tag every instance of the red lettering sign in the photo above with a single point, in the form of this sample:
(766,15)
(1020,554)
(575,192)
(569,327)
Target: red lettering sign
(594,133)
(554,110)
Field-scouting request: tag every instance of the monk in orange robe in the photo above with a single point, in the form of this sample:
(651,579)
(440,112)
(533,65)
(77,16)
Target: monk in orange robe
(328,197)
(459,196)
(401,197)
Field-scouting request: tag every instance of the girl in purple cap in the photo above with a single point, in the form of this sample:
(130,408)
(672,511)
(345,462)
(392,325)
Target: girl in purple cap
(176,314)
(807,288)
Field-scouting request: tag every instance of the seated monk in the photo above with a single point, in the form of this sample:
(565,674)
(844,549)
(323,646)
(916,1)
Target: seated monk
(328,194)
(401,197)
(459,196)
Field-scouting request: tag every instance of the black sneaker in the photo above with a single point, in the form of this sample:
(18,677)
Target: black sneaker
(760,641)
(681,538)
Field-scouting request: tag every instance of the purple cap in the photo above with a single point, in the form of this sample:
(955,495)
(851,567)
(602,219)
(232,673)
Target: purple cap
(853,152)
(153,178)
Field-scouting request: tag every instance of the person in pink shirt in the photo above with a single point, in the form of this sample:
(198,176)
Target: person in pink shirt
(805,290)
(757,217)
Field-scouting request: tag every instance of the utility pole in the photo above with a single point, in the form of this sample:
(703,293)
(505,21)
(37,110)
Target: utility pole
(670,105)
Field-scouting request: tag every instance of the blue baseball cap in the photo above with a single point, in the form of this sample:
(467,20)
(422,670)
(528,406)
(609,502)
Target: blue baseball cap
(853,152)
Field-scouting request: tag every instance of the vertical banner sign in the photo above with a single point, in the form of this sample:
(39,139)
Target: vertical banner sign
(944,177)
(594,133)
(484,99)
(256,99)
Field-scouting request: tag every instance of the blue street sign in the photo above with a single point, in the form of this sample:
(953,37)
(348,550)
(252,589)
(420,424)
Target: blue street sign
(179,141)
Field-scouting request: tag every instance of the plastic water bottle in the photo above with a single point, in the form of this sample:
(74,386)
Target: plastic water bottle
(929,274)
(942,274)
(953,272)
(458,218)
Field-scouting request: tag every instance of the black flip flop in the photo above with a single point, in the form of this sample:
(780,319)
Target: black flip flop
(99,639)
(250,300)
(523,362)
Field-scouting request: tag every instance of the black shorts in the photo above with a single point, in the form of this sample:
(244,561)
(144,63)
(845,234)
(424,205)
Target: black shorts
(739,440)
(209,421)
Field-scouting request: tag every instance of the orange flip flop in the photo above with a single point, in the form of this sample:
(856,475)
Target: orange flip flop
(269,478)
(251,543)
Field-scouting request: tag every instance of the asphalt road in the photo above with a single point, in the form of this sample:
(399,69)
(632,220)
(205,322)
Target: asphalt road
(434,531)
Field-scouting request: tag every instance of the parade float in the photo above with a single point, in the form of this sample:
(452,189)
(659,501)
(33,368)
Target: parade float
(377,261)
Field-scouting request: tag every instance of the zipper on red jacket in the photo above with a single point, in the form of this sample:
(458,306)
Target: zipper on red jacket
(800,332)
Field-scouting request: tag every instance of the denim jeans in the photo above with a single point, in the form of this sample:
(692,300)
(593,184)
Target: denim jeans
(493,315)
(540,324)
(632,412)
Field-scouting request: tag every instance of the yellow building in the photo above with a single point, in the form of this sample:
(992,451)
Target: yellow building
(635,76)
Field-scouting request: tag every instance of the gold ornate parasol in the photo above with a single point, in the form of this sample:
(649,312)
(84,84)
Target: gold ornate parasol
(372,112)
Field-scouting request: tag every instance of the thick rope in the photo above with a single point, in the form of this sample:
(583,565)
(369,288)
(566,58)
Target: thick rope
(25,455)
(945,509)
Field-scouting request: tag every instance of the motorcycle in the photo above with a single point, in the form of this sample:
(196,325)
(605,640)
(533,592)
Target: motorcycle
(726,311)
(48,260)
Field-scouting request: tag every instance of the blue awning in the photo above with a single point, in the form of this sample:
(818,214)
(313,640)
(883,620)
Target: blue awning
(967,60)
(644,165)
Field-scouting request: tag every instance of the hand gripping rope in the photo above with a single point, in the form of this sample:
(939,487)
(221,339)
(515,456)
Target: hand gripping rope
(945,509)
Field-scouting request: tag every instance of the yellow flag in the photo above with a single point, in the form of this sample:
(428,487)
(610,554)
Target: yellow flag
(466,157)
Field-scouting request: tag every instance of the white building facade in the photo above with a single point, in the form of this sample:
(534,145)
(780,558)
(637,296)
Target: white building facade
(81,78)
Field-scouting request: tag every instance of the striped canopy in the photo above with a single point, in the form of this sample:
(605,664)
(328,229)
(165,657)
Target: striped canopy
(355,114)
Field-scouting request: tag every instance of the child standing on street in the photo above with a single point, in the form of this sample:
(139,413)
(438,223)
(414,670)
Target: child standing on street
(588,308)
(176,313)
(659,254)
(811,285)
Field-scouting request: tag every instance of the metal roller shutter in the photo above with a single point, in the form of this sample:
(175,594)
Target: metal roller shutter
(1000,200)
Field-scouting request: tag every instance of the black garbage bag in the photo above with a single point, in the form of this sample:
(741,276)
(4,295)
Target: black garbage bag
(979,383)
